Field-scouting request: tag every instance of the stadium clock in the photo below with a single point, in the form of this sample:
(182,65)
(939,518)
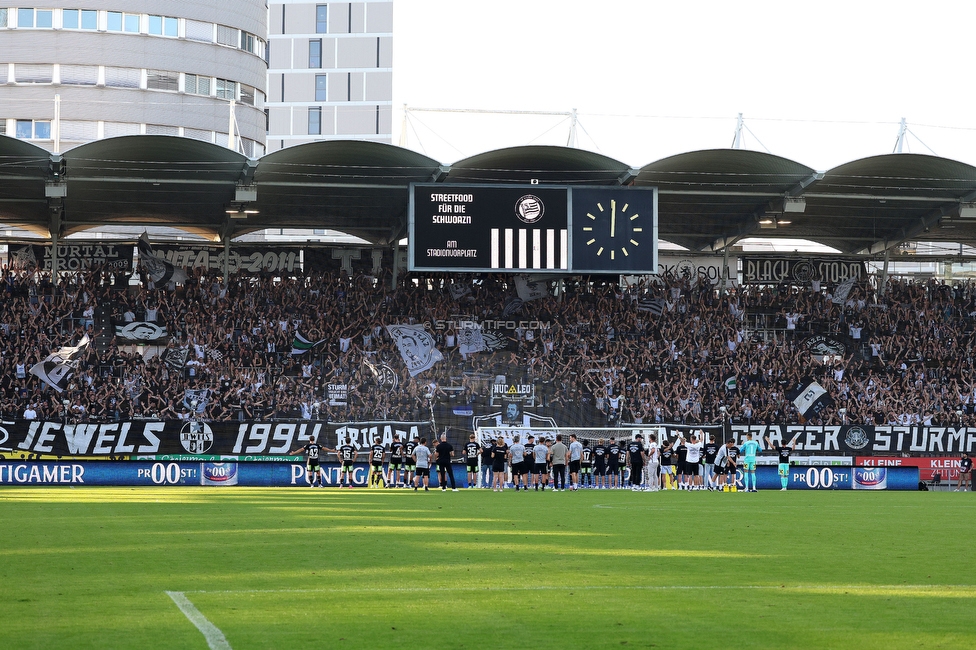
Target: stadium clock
(614,231)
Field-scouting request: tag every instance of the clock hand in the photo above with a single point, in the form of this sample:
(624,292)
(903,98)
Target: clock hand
(613,215)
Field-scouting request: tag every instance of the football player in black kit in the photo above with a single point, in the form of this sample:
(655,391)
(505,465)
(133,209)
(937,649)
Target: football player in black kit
(528,463)
(784,460)
(709,452)
(732,467)
(586,465)
(622,464)
(312,468)
(347,456)
(409,464)
(600,463)
(636,459)
(667,467)
(613,463)
(377,454)
(397,450)
(471,452)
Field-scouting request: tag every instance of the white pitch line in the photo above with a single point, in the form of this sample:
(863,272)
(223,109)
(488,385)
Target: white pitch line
(215,638)
(564,588)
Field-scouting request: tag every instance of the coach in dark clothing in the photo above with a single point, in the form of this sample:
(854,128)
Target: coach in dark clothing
(444,451)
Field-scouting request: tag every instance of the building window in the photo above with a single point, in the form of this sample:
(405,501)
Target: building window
(162,80)
(79,19)
(163,26)
(247,42)
(3,16)
(114,22)
(320,88)
(315,53)
(321,19)
(247,94)
(132,23)
(34,129)
(3,126)
(196,85)
(40,18)
(226,89)
(315,120)
(227,36)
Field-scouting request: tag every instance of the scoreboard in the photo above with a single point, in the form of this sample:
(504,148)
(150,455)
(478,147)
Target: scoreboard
(532,228)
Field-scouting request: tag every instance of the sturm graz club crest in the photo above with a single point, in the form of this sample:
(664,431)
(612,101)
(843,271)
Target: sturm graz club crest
(387,377)
(857,438)
(196,437)
(530,208)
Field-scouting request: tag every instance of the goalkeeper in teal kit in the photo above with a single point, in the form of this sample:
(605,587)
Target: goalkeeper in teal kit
(749,449)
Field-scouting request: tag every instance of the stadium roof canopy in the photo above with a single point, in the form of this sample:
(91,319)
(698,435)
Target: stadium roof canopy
(708,200)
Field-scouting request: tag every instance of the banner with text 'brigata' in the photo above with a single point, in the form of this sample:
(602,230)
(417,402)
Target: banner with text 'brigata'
(23,439)
(257,440)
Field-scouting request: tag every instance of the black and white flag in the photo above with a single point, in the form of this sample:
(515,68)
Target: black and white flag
(653,305)
(470,340)
(810,398)
(176,358)
(141,331)
(530,290)
(416,347)
(160,271)
(57,369)
(512,307)
(301,345)
(842,291)
(195,400)
(459,290)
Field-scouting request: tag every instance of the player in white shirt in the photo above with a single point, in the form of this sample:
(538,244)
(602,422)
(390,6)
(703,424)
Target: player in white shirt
(653,480)
(693,459)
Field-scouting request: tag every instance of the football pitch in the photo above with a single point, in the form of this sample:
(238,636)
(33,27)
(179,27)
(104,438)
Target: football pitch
(274,568)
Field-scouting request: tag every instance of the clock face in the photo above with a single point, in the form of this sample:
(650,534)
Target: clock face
(613,230)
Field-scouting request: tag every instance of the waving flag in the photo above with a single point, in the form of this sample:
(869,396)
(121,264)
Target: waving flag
(416,347)
(301,345)
(160,271)
(58,367)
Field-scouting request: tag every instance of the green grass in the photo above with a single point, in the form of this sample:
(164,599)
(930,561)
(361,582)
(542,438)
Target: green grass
(475,569)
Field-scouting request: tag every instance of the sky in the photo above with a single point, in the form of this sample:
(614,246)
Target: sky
(819,83)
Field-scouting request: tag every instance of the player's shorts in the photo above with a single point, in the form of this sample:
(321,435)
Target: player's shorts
(613,468)
(423,471)
(396,464)
(312,465)
(574,466)
(377,467)
(540,468)
(346,467)
(497,467)
(472,467)
(601,469)
(749,465)
(410,467)
(667,469)
(518,468)
(718,470)
(586,470)
(784,469)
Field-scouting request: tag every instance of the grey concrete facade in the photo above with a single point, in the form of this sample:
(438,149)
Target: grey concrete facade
(330,71)
(128,67)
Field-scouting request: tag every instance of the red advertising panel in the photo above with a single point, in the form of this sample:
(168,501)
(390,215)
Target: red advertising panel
(946,466)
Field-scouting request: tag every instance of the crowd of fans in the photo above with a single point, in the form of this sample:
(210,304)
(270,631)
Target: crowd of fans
(592,350)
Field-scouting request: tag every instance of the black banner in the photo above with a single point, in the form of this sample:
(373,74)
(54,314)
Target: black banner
(856,439)
(250,259)
(72,257)
(26,438)
(801,271)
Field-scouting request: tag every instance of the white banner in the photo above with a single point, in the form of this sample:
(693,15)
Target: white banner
(416,347)
(700,268)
